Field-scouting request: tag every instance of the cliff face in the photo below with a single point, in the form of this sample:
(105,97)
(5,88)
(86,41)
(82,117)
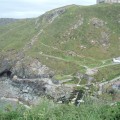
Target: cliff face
(27,80)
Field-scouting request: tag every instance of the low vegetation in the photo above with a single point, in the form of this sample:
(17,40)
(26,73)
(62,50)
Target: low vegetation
(47,110)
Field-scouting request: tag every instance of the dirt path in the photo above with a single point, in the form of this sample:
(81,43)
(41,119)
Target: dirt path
(112,64)
(107,82)
(65,81)
(55,48)
(110,81)
(58,58)
(51,47)
(92,71)
(32,41)
(50,56)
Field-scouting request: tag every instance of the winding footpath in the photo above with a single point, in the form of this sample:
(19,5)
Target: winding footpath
(112,64)
(32,41)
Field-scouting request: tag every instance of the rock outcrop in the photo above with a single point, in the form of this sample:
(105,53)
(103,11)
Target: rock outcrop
(5,65)
(104,39)
(97,22)
(29,80)
(31,68)
(52,15)
(30,91)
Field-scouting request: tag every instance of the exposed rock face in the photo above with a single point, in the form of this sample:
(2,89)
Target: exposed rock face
(105,35)
(78,23)
(30,91)
(59,91)
(91,71)
(88,78)
(50,17)
(116,85)
(71,53)
(5,64)
(29,81)
(97,22)
(31,68)
(104,39)
(69,32)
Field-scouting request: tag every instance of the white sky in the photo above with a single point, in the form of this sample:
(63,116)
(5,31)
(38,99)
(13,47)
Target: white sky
(34,8)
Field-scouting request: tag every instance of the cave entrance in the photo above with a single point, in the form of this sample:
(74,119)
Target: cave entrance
(6,73)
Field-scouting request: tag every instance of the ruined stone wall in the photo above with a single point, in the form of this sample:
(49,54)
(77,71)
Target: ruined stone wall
(108,1)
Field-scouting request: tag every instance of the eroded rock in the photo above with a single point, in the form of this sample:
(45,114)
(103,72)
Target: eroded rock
(29,81)
(78,23)
(31,68)
(104,39)
(52,15)
(97,22)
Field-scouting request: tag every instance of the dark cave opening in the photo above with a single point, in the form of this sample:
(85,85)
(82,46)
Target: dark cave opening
(6,73)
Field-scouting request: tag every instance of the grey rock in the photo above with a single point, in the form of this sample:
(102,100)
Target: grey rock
(104,39)
(25,91)
(5,67)
(31,68)
(33,80)
(97,22)
(78,23)
(59,102)
(52,15)
(116,86)
(88,78)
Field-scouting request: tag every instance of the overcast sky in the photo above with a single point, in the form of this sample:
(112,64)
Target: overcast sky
(34,8)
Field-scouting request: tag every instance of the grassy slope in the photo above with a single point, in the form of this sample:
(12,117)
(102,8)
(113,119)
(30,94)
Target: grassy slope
(14,36)
(56,35)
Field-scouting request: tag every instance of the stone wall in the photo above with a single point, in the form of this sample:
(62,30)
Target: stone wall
(108,1)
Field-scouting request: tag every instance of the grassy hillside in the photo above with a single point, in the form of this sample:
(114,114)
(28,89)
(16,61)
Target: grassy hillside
(90,42)
(14,36)
(72,38)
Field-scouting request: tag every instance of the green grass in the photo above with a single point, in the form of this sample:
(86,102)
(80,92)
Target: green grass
(57,32)
(59,35)
(108,73)
(47,110)
(16,35)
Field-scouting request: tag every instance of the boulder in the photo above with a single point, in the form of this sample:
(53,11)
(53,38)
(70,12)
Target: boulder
(15,77)
(31,68)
